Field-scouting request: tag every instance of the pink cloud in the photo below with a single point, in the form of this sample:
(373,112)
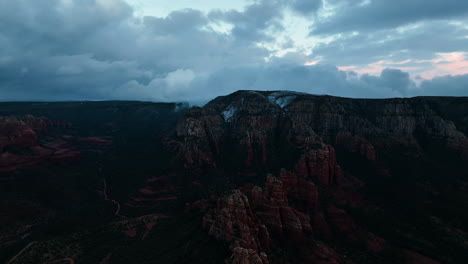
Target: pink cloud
(377,67)
(310,63)
(453,63)
(347,68)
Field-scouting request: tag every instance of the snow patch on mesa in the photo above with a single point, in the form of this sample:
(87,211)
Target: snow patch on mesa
(282,99)
(229,113)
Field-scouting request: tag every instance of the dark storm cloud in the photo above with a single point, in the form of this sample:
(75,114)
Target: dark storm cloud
(393,79)
(43,23)
(418,42)
(380,14)
(317,79)
(447,85)
(83,49)
(177,21)
(262,16)
(251,23)
(326,79)
(410,35)
(43,54)
(305,7)
(98,49)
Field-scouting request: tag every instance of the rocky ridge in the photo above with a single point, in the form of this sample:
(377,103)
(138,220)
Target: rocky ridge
(295,136)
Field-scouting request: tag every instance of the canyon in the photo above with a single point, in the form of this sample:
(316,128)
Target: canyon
(251,177)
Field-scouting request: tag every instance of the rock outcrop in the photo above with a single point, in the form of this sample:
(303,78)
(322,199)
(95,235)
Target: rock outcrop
(26,142)
(259,222)
(20,132)
(295,136)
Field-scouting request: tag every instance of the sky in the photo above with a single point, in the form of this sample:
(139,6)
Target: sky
(195,50)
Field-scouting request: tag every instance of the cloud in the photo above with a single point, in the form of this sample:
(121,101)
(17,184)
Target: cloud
(445,86)
(174,85)
(87,49)
(176,22)
(393,79)
(415,45)
(99,49)
(370,15)
(252,23)
(316,79)
(305,7)
(59,19)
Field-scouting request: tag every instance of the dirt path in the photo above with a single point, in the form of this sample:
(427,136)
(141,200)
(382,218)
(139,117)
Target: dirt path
(106,197)
(21,252)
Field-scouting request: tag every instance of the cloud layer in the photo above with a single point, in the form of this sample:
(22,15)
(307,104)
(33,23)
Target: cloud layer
(99,49)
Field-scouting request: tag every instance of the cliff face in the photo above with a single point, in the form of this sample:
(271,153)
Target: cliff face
(325,156)
(258,122)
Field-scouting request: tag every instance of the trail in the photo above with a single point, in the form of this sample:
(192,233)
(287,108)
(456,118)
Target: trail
(107,198)
(21,252)
(149,227)
(106,259)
